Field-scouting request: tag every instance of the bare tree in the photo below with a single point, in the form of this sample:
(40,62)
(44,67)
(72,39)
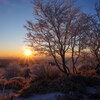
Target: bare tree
(97,52)
(78,39)
(97,8)
(93,35)
(51,32)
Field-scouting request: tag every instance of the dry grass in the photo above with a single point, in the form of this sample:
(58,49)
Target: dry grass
(45,78)
(87,73)
(14,84)
(3,97)
(44,71)
(11,71)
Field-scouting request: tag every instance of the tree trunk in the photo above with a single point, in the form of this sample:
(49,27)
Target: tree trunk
(98,64)
(98,60)
(73,62)
(66,69)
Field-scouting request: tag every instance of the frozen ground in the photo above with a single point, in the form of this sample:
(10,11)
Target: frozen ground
(91,92)
(49,96)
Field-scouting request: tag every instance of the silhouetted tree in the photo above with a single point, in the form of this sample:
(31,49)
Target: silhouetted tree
(78,38)
(97,8)
(93,35)
(52,31)
(97,25)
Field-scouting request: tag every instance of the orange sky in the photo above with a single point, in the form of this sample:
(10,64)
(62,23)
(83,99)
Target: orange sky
(10,51)
(13,16)
(4,54)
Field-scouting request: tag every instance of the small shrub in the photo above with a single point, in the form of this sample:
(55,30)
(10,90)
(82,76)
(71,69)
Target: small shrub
(98,70)
(2,82)
(39,71)
(11,71)
(37,87)
(45,71)
(88,72)
(26,73)
(20,79)
(14,84)
(86,67)
(85,80)
(3,97)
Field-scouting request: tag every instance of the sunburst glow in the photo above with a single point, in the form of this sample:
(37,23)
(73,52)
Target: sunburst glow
(28,52)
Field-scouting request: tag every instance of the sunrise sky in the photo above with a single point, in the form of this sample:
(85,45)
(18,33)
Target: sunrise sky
(13,16)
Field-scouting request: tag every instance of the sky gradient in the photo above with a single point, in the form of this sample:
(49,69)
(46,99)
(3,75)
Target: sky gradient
(13,16)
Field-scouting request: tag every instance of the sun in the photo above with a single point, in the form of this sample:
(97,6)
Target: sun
(28,52)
